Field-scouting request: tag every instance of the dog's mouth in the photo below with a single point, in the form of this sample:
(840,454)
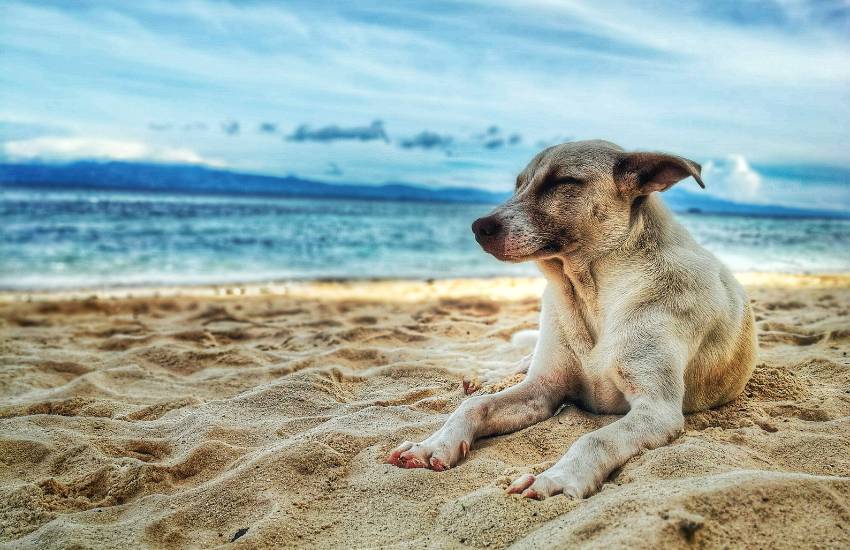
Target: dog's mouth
(503,252)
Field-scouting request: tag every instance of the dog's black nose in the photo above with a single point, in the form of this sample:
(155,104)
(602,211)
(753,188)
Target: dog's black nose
(486,227)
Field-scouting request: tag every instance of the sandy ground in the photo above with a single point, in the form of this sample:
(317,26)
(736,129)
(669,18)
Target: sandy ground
(261,415)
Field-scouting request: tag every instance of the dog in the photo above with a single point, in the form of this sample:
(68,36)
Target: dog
(637,319)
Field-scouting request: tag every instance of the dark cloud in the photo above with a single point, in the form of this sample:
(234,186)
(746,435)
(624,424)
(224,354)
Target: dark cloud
(267,128)
(333,169)
(490,133)
(492,138)
(374,131)
(427,140)
(230,127)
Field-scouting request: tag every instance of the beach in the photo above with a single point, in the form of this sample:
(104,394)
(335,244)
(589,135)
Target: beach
(259,416)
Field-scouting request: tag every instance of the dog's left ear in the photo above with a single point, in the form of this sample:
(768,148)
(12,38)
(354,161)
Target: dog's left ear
(642,173)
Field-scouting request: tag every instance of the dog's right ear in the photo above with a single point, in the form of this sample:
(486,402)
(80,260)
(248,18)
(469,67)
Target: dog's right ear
(642,173)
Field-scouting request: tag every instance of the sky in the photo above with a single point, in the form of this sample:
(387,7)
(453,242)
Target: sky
(436,93)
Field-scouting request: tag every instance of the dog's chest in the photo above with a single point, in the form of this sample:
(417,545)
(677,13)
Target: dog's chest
(579,318)
(580,326)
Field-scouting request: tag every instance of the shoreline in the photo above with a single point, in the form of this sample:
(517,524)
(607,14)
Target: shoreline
(404,289)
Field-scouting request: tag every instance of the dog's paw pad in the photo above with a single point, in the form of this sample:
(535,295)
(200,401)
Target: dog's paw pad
(437,465)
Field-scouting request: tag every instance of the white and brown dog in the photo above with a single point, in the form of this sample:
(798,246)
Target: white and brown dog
(637,318)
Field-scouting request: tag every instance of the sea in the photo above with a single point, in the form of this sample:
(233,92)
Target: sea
(94,239)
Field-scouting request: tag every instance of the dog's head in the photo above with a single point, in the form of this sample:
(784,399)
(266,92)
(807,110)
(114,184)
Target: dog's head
(577,198)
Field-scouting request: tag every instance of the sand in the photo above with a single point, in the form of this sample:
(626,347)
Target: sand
(193,417)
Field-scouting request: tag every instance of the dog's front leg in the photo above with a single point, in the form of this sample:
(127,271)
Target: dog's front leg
(536,398)
(654,387)
(532,400)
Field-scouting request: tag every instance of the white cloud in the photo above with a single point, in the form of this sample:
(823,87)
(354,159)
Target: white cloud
(732,178)
(75,148)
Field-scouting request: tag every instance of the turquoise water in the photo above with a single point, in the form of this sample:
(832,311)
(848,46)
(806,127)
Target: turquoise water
(62,239)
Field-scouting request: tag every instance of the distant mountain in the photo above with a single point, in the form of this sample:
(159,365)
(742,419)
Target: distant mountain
(127,176)
(130,176)
(681,199)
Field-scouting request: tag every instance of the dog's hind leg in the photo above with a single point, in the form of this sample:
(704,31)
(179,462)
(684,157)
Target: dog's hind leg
(489,379)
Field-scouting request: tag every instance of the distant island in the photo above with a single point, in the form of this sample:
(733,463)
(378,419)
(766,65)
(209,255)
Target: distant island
(192,179)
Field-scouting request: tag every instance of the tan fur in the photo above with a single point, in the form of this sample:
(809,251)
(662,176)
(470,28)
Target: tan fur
(710,385)
(637,318)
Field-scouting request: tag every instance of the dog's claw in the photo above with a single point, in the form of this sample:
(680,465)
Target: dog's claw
(545,485)
(438,457)
(437,465)
(521,484)
(470,386)
(395,457)
(531,493)
(411,461)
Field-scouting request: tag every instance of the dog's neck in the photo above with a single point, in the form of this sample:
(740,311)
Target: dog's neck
(577,279)
(576,290)
(650,229)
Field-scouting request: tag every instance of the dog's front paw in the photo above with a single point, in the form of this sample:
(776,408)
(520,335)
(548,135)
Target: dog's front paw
(545,485)
(436,453)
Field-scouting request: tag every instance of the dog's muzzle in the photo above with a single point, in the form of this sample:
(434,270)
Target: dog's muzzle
(490,234)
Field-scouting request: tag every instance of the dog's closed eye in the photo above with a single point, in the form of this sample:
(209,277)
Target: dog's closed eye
(568,180)
(560,181)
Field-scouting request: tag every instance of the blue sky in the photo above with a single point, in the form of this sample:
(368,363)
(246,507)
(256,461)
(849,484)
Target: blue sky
(436,93)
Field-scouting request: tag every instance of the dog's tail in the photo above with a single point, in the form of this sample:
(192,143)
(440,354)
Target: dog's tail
(525,338)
